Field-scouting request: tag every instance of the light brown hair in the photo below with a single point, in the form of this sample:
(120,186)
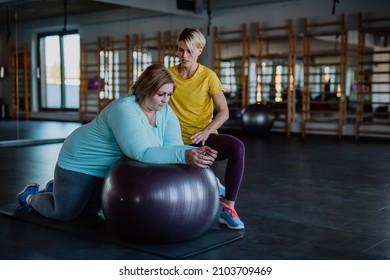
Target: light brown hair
(150,81)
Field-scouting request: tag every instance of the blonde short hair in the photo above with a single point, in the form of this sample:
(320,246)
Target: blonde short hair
(150,81)
(193,38)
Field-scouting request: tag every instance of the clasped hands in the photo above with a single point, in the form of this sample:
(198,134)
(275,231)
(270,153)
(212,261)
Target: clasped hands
(202,157)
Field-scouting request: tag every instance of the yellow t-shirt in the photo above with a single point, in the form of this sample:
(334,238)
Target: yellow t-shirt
(192,100)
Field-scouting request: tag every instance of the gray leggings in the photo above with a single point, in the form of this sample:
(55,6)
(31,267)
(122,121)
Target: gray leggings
(73,194)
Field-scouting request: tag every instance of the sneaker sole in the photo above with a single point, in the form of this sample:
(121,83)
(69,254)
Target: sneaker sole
(25,188)
(222,221)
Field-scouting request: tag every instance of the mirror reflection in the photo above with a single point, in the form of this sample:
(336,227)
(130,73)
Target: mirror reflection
(320,73)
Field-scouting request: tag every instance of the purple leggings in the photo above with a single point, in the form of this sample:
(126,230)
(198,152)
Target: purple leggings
(232,149)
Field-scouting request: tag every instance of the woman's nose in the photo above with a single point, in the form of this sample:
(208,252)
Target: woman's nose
(165,99)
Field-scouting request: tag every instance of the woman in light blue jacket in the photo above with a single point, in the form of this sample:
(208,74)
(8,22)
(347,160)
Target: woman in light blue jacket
(140,125)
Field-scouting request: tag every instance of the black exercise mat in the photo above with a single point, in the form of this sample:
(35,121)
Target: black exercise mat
(95,227)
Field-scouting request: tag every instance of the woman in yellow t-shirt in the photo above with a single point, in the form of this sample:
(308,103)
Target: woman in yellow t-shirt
(197,95)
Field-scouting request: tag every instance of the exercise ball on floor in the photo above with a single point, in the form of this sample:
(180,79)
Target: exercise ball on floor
(257,119)
(159,203)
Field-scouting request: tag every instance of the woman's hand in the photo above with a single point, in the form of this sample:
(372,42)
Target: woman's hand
(200,137)
(208,151)
(202,157)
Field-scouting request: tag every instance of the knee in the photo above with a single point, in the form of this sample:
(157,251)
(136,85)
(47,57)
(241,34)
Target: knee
(228,146)
(240,147)
(237,147)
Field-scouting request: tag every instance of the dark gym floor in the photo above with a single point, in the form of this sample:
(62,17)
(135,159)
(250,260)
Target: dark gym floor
(314,198)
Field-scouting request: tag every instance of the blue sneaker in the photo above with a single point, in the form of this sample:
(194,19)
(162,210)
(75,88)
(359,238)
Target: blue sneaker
(48,188)
(221,188)
(229,217)
(30,189)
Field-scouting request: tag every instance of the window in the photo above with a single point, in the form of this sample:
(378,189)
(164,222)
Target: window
(228,78)
(59,66)
(142,59)
(109,73)
(170,60)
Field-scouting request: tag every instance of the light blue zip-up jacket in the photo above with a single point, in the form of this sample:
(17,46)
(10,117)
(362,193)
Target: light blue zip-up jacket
(123,129)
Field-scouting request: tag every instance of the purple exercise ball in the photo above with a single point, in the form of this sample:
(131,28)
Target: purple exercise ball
(159,203)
